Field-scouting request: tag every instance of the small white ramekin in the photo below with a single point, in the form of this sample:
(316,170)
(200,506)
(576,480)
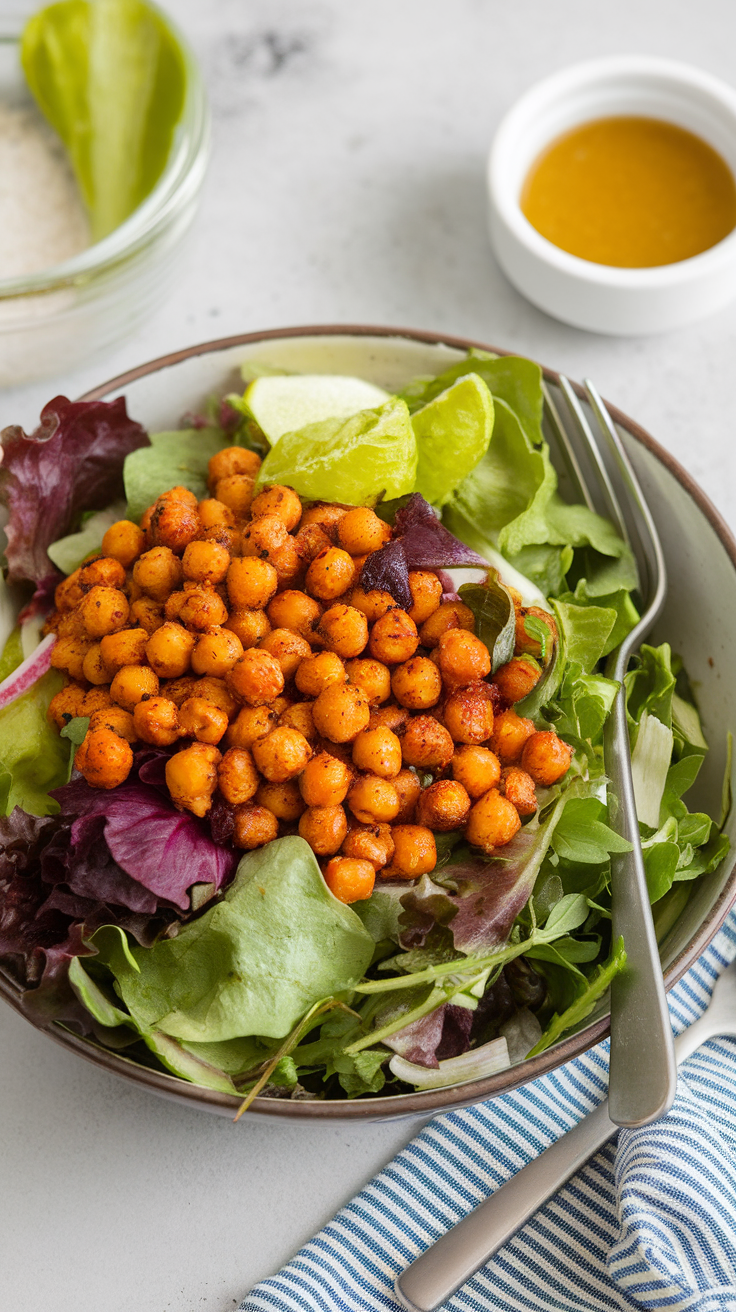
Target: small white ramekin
(597,296)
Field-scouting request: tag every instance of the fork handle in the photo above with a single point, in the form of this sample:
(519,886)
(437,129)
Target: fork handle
(453,1259)
(643,1075)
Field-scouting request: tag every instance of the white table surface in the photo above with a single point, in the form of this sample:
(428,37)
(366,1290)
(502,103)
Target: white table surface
(346,185)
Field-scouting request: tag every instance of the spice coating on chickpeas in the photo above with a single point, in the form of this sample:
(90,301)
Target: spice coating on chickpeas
(233,635)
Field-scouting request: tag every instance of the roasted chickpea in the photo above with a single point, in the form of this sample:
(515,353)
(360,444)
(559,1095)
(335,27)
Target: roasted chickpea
(169,650)
(324,781)
(426,594)
(330,574)
(156,721)
(327,514)
(281,501)
(284,800)
(174,523)
(124,541)
(178,690)
(378,751)
(232,460)
(450,615)
(65,705)
(417,683)
(288,648)
(131,684)
(518,786)
(310,541)
(252,722)
(68,654)
(115,718)
(202,720)
(390,717)
(393,638)
(282,754)
(191,777)
(237,776)
(373,677)
(374,604)
(476,768)
(360,531)
(203,609)
(324,828)
(546,757)
(255,677)
(227,538)
(463,658)
(103,610)
(525,644)
(299,716)
(248,625)
(517,677)
(104,758)
(340,712)
(349,880)
(235,492)
(294,610)
(315,673)
(216,652)
(264,536)
(426,744)
(128,647)
(343,630)
(373,799)
(158,572)
(69,592)
(147,614)
(443,806)
(415,852)
(94,668)
(254,826)
(510,733)
(205,562)
(175,601)
(251,583)
(492,822)
(408,789)
(371,842)
(215,514)
(103,572)
(95,699)
(468,716)
(216,691)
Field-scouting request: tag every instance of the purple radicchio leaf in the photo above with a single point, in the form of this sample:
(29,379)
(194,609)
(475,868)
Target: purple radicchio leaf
(427,543)
(386,570)
(431,1039)
(71,463)
(485,895)
(161,848)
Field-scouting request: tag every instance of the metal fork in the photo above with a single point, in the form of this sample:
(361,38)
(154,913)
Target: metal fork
(453,1259)
(642,1075)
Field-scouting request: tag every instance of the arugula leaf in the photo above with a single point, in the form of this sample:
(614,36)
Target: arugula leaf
(584,1004)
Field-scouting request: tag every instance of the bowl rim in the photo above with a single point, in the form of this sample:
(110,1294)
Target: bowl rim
(684,79)
(180,180)
(423,1103)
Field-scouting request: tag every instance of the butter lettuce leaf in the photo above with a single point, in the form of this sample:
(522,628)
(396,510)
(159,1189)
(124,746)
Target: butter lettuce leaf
(452,432)
(33,758)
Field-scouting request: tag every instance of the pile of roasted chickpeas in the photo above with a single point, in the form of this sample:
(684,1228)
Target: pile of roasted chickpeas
(236,627)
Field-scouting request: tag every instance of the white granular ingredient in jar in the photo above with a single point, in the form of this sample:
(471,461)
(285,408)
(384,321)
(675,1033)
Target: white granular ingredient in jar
(42,218)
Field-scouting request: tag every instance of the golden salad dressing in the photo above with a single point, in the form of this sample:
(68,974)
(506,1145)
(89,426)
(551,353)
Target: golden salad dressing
(631,192)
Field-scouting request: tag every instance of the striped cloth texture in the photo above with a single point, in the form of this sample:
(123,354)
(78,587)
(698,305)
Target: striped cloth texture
(648,1223)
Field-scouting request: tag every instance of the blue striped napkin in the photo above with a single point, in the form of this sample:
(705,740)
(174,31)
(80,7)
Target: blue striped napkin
(648,1223)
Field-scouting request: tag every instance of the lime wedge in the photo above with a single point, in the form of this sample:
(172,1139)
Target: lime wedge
(452,433)
(368,457)
(283,403)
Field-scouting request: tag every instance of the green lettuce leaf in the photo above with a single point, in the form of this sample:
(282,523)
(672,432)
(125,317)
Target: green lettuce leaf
(172,459)
(452,433)
(12,653)
(369,457)
(276,943)
(110,77)
(583,1005)
(495,617)
(33,758)
(510,378)
(69,552)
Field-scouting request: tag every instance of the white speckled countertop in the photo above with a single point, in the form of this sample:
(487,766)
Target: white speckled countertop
(346,185)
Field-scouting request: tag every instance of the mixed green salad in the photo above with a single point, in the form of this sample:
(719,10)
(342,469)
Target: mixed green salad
(126,919)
